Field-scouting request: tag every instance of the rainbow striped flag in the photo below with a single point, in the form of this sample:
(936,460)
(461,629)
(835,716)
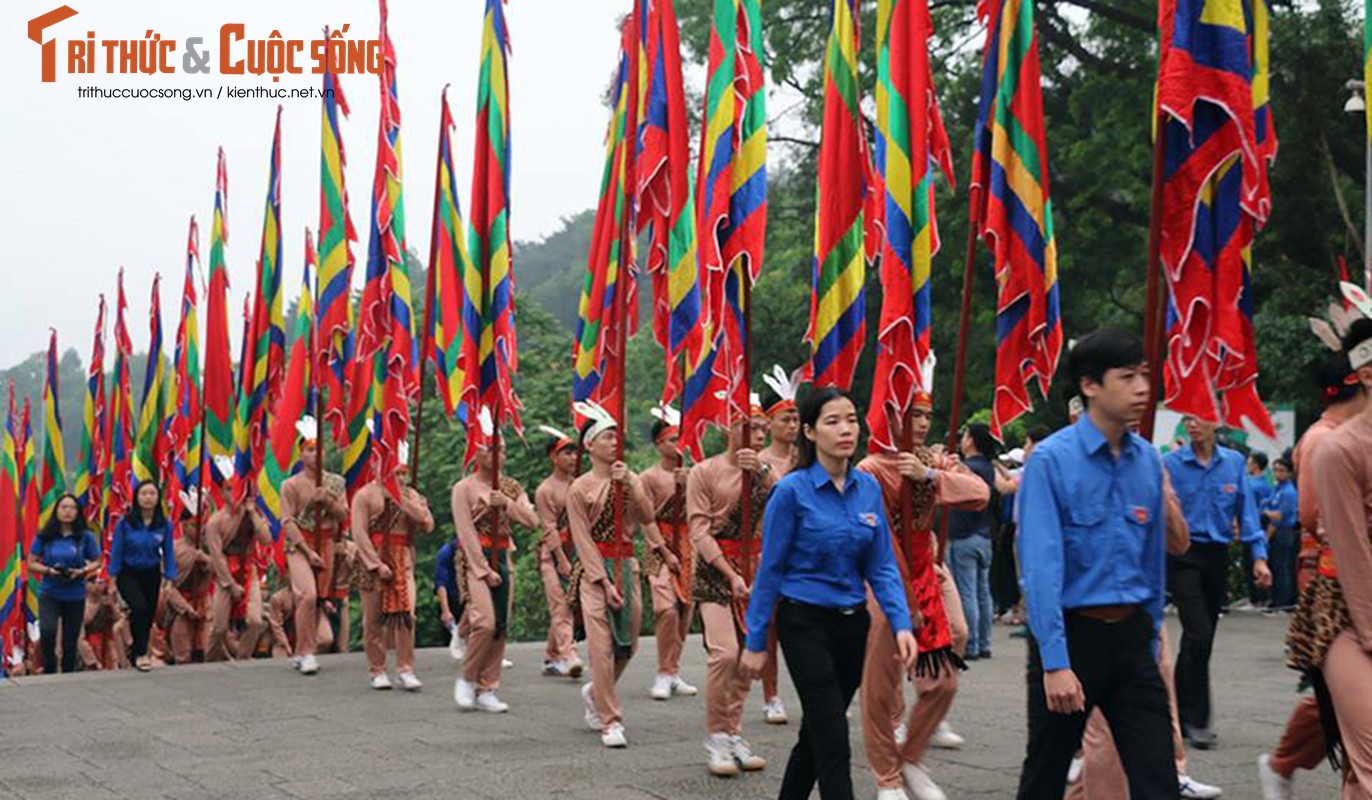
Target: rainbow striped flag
(666,193)
(219,380)
(119,431)
(838,307)
(12,629)
(30,505)
(184,435)
(1013,210)
(596,364)
(54,462)
(732,202)
(151,444)
(90,458)
(1213,89)
(911,144)
(261,373)
(489,350)
(445,292)
(336,235)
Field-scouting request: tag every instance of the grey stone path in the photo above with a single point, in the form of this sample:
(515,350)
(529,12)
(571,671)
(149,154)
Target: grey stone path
(257,730)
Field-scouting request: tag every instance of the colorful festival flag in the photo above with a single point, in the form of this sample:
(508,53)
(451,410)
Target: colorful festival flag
(90,457)
(184,430)
(911,144)
(54,462)
(30,506)
(1013,210)
(119,431)
(12,628)
(838,310)
(151,443)
(451,261)
(219,381)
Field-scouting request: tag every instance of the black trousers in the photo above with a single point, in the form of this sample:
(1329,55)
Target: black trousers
(1004,573)
(1198,583)
(1118,671)
(140,589)
(71,614)
(824,650)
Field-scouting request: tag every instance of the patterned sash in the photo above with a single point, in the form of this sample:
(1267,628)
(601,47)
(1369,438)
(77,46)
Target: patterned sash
(614,552)
(915,558)
(389,533)
(671,523)
(494,547)
(710,584)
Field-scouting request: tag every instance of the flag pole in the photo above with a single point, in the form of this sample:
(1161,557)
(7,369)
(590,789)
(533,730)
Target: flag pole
(430,294)
(1155,306)
(960,363)
(745,498)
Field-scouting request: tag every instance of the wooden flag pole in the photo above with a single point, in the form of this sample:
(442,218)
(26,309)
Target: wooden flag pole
(745,498)
(1155,305)
(960,363)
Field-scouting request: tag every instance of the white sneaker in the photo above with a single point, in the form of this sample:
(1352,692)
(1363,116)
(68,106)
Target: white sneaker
(719,748)
(591,715)
(892,794)
(464,694)
(921,786)
(457,647)
(295,662)
(556,669)
(774,713)
(409,681)
(662,688)
(901,733)
(1274,785)
(309,665)
(381,681)
(1193,789)
(946,738)
(1074,770)
(613,736)
(682,688)
(488,702)
(744,755)
(506,663)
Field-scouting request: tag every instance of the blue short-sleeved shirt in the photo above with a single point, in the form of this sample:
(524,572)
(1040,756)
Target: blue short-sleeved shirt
(70,552)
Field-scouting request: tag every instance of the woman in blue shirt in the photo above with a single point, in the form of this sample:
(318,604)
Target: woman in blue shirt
(65,553)
(142,553)
(824,540)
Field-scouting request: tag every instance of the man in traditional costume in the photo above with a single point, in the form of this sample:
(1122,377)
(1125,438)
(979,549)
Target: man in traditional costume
(555,555)
(232,536)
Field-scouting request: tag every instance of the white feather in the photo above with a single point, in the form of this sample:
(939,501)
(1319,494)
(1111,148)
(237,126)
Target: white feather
(785,386)
(308,428)
(668,415)
(483,419)
(1326,333)
(553,432)
(1341,318)
(1355,295)
(224,464)
(926,372)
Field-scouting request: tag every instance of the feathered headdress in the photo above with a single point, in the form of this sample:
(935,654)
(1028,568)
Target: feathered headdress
(601,420)
(785,386)
(560,440)
(670,419)
(924,393)
(308,428)
(1360,354)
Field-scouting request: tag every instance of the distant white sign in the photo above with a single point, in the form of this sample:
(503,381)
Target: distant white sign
(1168,432)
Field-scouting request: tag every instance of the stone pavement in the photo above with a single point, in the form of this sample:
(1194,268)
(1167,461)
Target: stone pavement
(257,730)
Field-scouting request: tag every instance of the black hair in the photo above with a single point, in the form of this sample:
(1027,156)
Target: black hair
(135,514)
(981,437)
(1100,351)
(1259,458)
(585,429)
(52,529)
(551,446)
(814,402)
(1038,433)
(1286,462)
(658,427)
(1331,374)
(1359,332)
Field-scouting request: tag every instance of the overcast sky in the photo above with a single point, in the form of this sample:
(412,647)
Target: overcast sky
(91,184)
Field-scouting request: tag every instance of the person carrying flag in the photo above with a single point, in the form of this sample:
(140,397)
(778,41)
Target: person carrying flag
(187,631)
(781,452)
(233,535)
(555,555)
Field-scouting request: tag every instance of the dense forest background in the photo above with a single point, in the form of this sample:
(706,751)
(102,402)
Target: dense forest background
(1099,60)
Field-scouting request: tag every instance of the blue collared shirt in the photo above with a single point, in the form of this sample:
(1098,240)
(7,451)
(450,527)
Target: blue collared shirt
(444,577)
(820,545)
(1090,532)
(1285,500)
(1261,489)
(1216,496)
(142,548)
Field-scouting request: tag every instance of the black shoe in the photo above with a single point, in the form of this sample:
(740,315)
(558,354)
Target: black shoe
(1199,738)
(986,654)
(971,657)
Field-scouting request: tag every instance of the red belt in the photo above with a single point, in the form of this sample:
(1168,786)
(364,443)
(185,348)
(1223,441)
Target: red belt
(379,537)
(494,543)
(565,536)
(733,549)
(615,549)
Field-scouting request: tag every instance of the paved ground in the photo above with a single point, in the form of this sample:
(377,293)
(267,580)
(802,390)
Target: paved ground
(257,730)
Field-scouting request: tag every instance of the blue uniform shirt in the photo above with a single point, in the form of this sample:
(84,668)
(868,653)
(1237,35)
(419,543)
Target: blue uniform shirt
(1091,531)
(1261,489)
(1285,500)
(444,576)
(142,548)
(820,545)
(69,552)
(1215,497)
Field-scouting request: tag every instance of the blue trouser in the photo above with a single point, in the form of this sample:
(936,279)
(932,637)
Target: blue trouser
(1283,548)
(970,561)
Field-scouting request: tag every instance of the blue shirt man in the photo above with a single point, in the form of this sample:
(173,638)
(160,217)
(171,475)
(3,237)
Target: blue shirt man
(1215,496)
(444,575)
(1091,531)
(1284,502)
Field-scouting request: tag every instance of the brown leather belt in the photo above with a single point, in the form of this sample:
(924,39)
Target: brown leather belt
(1111,614)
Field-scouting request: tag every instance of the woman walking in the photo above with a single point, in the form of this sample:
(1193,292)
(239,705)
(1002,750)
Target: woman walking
(825,538)
(141,555)
(65,554)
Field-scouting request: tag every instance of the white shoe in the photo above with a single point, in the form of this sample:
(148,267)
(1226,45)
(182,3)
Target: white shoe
(295,662)
(774,713)
(682,688)
(457,647)
(591,715)
(662,688)
(1193,789)
(744,755)
(309,665)
(613,736)
(1074,770)
(381,681)
(892,794)
(901,733)
(464,694)
(506,663)
(408,681)
(719,748)
(488,702)
(921,786)
(1274,785)
(556,669)
(946,738)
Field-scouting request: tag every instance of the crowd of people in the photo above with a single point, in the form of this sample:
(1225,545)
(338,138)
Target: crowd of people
(831,560)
